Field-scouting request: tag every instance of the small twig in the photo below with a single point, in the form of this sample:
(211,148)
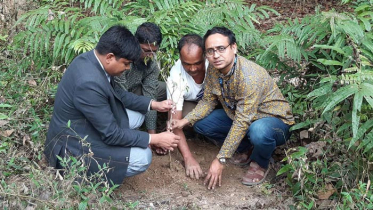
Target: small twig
(366,191)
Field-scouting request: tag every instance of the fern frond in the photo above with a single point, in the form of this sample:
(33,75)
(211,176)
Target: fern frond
(359,77)
(283,45)
(361,131)
(83,45)
(340,95)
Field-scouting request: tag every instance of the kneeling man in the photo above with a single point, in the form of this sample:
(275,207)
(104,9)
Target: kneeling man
(254,113)
(99,128)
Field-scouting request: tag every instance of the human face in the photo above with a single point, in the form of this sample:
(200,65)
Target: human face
(114,66)
(221,61)
(192,59)
(148,50)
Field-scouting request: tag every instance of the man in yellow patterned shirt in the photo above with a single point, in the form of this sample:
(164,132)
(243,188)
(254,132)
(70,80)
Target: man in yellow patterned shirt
(254,113)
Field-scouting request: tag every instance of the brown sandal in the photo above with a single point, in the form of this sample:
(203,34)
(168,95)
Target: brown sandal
(255,175)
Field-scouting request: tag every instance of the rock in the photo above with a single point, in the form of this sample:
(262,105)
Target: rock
(185,193)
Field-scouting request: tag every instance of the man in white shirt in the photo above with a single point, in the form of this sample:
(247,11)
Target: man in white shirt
(185,87)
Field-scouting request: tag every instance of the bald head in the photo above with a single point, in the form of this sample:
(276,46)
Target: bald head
(192,59)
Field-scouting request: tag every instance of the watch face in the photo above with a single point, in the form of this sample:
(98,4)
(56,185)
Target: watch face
(222,160)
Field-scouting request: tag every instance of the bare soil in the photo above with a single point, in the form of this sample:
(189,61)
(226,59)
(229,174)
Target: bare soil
(165,186)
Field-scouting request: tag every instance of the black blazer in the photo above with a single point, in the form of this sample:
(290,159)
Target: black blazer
(86,98)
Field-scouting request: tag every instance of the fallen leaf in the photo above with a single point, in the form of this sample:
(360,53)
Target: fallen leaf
(316,148)
(32,82)
(6,133)
(26,140)
(3,122)
(304,134)
(326,193)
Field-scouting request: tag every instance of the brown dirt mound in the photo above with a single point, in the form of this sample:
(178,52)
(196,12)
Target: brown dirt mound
(165,186)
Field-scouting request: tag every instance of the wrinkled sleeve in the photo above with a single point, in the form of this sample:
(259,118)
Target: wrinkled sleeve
(247,105)
(90,99)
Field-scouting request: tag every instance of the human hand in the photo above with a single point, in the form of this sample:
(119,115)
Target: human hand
(192,168)
(214,174)
(159,150)
(162,106)
(165,140)
(179,124)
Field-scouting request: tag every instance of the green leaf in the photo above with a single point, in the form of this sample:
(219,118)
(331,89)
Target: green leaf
(369,145)
(340,95)
(330,62)
(3,116)
(364,128)
(285,169)
(83,205)
(335,48)
(302,151)
(303,124)
(325,89)
(358,100)
(369,100)
(5,105)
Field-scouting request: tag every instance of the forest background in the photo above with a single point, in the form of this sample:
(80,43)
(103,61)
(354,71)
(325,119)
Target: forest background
(322,62)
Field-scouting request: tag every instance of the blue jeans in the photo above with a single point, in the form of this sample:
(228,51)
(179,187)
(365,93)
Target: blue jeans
(264,134)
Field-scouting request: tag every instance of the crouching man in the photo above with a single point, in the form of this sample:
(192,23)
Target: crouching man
(96,112)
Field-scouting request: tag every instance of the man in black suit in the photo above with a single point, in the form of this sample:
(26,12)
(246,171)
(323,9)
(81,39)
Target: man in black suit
(96,112)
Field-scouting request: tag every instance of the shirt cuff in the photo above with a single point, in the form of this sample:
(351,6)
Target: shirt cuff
(150,104)
(219,156)
(150,138)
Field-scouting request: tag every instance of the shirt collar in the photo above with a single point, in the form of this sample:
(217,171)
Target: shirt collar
(107,75)
(233,69)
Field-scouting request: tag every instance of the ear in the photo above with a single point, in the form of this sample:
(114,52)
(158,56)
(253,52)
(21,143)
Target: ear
(109,57)
(234,47)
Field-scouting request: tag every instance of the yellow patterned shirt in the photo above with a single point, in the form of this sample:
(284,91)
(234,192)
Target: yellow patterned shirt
(254,94)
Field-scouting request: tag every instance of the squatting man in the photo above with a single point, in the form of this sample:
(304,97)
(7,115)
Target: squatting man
(255,115)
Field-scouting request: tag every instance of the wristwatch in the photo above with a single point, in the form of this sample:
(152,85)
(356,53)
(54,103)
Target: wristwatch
(222,160)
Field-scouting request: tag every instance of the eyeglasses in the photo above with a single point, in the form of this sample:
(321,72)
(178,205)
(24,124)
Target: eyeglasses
(220,49)
(230,105)
(149,52)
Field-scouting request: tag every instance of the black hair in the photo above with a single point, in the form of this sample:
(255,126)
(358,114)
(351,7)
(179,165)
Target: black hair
(190,39)
(149,33)
(220,30)
(119,41)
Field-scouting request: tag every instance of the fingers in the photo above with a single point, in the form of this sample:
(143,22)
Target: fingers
(187,172)
(219,178)
(190,173)
(212,183)
(194,174)
(199,173)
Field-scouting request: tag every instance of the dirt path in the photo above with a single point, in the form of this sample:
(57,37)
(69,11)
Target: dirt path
(165,187)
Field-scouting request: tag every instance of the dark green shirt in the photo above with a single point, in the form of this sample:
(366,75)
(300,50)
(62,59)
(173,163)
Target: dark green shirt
(144,77)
